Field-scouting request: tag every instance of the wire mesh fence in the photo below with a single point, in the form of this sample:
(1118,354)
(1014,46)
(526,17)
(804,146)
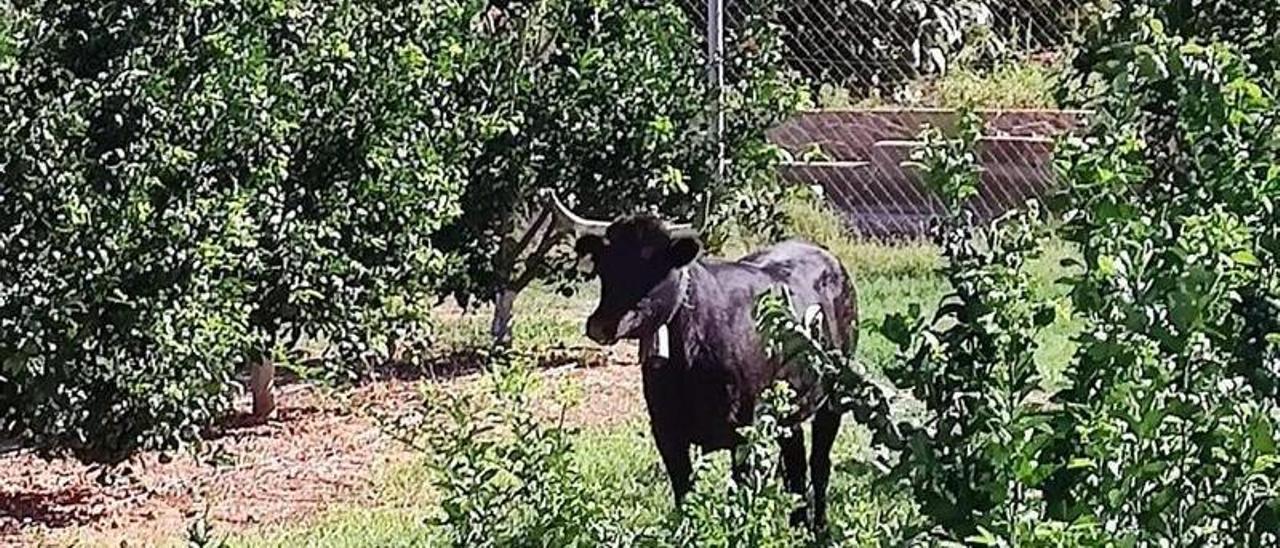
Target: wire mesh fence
(878,69)
(863,175)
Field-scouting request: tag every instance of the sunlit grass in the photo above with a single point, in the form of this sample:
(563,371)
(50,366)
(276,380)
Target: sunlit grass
(405,504)
(621,470)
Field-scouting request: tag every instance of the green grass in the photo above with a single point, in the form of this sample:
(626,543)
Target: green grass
(621,465)
(544,319)
(399,519)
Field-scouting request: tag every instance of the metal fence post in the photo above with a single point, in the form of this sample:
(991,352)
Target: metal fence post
(715,59)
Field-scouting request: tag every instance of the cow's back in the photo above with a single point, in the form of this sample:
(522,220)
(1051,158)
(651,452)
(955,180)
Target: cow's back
(814,277)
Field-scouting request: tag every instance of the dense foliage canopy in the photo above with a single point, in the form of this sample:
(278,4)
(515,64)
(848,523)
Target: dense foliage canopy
(609,104)
(183,184)
(189,185)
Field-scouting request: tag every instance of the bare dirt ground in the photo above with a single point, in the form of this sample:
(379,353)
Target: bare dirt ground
(323,448)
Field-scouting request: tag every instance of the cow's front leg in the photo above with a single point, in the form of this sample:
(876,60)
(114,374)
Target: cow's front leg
(675,457)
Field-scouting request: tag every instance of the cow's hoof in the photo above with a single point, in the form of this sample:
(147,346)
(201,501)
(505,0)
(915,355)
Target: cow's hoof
(799,518)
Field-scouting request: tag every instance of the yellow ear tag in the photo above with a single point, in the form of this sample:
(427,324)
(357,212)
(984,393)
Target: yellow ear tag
(664,343)
(814,312)
(585,265)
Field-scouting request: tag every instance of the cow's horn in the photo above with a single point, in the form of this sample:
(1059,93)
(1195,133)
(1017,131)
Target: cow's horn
(566,220)
(683,231)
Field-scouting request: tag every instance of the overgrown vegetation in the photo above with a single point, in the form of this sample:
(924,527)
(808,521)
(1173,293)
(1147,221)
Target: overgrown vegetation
(918,38)
(618,466)
(186,187)
(158,224)
(504,478)
(976,53)
(975,467)
(507,477)
(606,103)
(1173,397)
(1015,84)
(1159,426)
(1166,433)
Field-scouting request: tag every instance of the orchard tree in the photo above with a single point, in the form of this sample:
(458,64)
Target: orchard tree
(187,185)
(606,103)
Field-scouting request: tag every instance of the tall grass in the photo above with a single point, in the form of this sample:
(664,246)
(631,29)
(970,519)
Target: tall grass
(1025,84)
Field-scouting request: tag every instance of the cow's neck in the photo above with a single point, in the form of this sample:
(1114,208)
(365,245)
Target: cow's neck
(683,292)
(685,325)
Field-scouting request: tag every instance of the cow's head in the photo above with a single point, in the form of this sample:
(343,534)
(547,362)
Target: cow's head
(638,260)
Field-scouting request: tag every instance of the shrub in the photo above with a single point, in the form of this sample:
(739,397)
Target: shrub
(508,475)
(751,508)
(118,318)
(976,468)
(185,184)
(975,463)
(505,478)
(1173,384)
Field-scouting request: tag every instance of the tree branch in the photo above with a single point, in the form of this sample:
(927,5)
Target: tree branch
(534,260)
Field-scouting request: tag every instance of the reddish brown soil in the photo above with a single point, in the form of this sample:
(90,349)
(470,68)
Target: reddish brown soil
(323,448)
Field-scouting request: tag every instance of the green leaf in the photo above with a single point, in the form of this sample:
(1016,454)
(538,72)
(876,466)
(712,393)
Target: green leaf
(1246,258)
(1262,434)
(1081,463)
(897,328)
(983,538)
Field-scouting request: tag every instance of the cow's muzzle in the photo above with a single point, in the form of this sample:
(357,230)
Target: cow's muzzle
(608,331)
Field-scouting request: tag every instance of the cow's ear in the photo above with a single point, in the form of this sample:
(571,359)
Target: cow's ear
(683,251)
(589,244)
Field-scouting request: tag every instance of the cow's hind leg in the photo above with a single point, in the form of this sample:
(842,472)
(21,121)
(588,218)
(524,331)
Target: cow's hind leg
(793,466)
(826,424)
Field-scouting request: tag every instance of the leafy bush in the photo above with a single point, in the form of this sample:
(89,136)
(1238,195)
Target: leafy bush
(1166,434)
(504,477)
(507,475)
(118,321)
(1028,85)
(1173,392)
(187,184)
(976,469)
(606,102)
(974,463)
(893,40)
(1249,25)
(757,507)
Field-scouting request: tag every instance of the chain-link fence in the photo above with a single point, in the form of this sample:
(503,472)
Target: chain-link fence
(878,69)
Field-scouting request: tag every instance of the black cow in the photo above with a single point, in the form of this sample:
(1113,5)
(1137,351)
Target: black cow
(704,365)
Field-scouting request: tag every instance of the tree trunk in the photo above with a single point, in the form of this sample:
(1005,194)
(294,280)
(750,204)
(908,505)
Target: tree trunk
(513,282)
(262,378)
(503,312)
